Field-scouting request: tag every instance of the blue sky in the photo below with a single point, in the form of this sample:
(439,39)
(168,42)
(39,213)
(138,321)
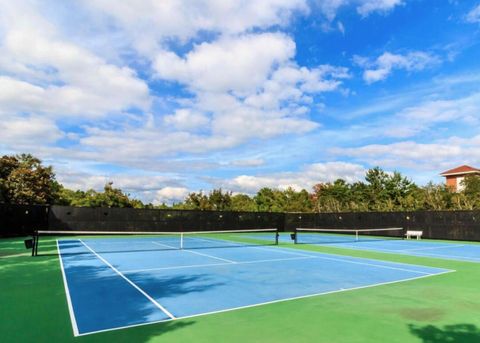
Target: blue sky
(167,97)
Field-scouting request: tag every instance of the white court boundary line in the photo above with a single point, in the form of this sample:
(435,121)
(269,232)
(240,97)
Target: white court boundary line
(216,264)
(416,253)
(67,292)
(434,248)
(271,302)
(246,245)
(196,252)
(290,259)
(163,309)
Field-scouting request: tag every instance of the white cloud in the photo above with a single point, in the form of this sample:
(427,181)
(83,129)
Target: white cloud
(44,73)
(364,7)
(170,194)
(382,67)
(22,130)
(149,24)
(303,179)
(229,64)
(428,115)
(367,7)
(186,119)
(474,15)
(244,87)
(435,156)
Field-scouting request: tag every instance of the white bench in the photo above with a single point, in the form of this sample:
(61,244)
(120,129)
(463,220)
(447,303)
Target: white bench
(412,233)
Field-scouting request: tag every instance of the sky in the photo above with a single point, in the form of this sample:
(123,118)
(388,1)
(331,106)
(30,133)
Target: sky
(168,97)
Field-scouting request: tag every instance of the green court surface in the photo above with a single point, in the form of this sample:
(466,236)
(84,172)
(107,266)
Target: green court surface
(443,308)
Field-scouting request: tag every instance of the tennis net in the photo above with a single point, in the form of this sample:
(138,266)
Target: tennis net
(124,241)
(325,236)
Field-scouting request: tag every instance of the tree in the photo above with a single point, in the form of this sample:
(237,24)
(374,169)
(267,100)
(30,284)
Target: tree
(269,200)
(24,180)
(219,200)
(297,201)
(242,202)
(110,197)
(197,201)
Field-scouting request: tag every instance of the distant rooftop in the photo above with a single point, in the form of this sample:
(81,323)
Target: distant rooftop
(461,170)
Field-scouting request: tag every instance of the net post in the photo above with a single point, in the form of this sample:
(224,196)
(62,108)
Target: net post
(276,237)
(34,241)
(181,240)
(356,235)
(295,241)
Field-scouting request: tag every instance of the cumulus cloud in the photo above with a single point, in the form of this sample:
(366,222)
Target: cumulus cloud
(45,73)
(170,194)
(419,156)
(229,64)
(149,188)
(303,179)
(474,15)
(150,24)
(186,119)
(22,130)
(380,68)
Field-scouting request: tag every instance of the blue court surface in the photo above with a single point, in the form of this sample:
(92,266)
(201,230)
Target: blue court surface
(446,250)
(121,287)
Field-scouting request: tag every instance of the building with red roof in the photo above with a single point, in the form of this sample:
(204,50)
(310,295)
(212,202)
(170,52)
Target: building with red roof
(454,177)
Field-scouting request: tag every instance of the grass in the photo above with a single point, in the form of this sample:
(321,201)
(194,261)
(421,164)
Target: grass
(440,309)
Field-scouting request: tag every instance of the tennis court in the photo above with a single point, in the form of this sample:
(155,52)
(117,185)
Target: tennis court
(452,250)
(118,282)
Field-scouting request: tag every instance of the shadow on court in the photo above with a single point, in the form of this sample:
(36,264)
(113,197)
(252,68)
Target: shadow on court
(458,333)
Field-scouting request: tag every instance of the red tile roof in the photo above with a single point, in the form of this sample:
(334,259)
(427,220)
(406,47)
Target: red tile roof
(461,170)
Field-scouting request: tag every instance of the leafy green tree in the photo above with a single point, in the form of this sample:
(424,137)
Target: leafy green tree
(270,200)
(436,197)
(110,197)
(242,202)
(220,200)
(197,201)
(24,180)
(297,201)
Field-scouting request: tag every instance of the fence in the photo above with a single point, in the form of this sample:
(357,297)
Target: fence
(22,220)
(455,225)
(114,219)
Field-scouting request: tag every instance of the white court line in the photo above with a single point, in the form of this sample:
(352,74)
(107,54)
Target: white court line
(215,264)
(451,257)
(67,292)
(434,248)
(163,309)
(245,245)
(283,259)
(416,254)
(197,253)
(272,302)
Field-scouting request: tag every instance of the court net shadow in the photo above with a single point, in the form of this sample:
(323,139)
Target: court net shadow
(458,333)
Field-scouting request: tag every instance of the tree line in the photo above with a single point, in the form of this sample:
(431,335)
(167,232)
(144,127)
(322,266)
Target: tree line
(25,180)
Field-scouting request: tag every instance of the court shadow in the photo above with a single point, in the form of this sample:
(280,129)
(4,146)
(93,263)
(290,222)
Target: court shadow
(461,333)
